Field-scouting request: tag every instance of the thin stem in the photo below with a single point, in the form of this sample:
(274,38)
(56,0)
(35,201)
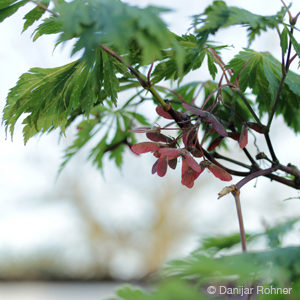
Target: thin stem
(276,100)
(284,73)
(248,106)
(45,8)
(212,93)
(220,63)
(236,195)
(172,92)
(140,77)
(293,57)
(218,155)
(253,162)
(270,147)
(149,74)
(285,181)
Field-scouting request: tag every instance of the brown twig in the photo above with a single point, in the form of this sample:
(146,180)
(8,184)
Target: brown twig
(45,8)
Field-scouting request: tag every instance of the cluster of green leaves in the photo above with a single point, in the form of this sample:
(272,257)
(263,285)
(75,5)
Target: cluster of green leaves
(114,23)
(112,126)
(188,278)
(53,98)
(192,57)
(261,72)
(50,96)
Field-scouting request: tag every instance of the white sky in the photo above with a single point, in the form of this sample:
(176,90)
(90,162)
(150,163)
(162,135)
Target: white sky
(28,172)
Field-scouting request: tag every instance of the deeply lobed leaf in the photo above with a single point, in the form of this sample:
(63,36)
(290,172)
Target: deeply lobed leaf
(261,72)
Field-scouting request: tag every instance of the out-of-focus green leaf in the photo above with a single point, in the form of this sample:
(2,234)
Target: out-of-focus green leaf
(117,24)
(9,7)
(50,96)
(35,14)
(49,26)
(219,15)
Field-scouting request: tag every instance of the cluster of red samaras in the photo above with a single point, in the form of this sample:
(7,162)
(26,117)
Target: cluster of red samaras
(165,148)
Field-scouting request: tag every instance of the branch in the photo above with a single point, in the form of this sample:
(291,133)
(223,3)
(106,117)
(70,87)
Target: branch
(236,195)
(284,74)
(217,155)
(248,106)
(276,100)
(140,77)
(255,175)
(291,183)
(270,147)
(45,8)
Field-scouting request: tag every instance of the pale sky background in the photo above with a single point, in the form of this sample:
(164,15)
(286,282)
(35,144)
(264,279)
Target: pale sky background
(32,210)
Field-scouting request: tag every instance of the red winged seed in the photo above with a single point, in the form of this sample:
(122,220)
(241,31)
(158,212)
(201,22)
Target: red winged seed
(219,172)
(243,140)
(170,152)
(207,117)
(144,147)
(154,167)
(141,129)
(172,163)
(192,163)
(215,143)
(161,112)
(158,137)
(188,175)
(216,125)
(162,166)
(195,110)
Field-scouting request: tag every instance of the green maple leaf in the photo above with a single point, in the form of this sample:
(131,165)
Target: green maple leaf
(219,15)
(261,72)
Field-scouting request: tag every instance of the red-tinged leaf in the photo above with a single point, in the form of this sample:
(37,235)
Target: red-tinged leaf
(243,140)
(234,135)
(207,117)
(161,112)
(215,143)
(141,129)
(172,163)
(192,163)
(188,175)
(162,166)
(144,147)
(170,152)
(158,137)
(218,127)
(256,127)
(154,167)
(219,172)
